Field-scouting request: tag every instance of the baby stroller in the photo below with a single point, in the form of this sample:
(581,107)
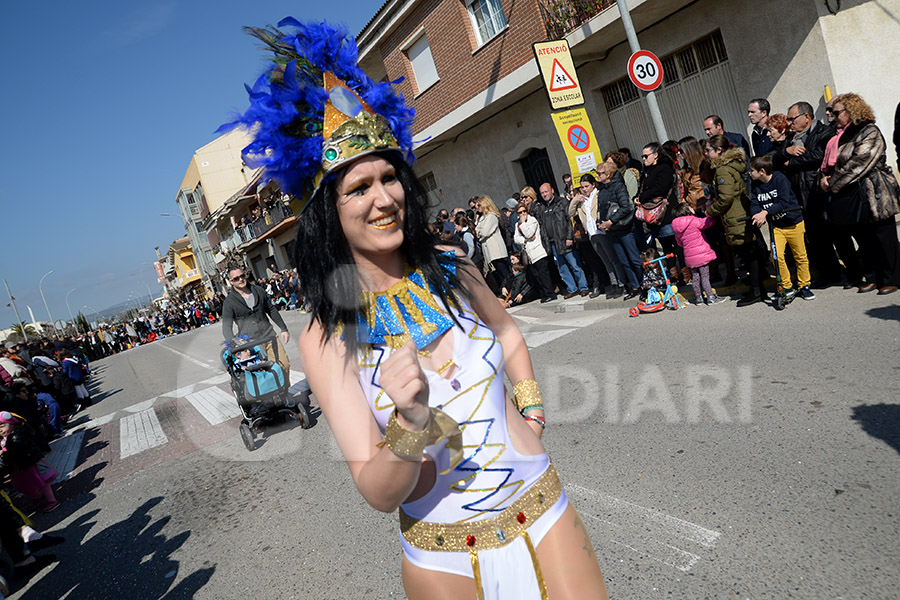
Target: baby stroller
(260,388)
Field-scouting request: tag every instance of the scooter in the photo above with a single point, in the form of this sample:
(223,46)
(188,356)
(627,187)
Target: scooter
(781,298)
(655,302)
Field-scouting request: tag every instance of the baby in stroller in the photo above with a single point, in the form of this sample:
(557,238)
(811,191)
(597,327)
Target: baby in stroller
(260,387)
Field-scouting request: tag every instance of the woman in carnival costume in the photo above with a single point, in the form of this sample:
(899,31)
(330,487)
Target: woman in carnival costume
(407,346)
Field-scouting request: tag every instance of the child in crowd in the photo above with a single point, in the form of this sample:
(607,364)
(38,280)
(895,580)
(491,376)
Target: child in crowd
(245,358)
(772,198)
(21,451)
(516,288)
(688,228)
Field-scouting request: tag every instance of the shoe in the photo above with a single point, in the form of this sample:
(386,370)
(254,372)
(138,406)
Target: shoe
(697,303)
(849,285)
(596,292)
(584,292)
(716,299)
(791,293)
(630,294)
(570,295)
(613,292)
(51,506)
(868,287)
(807,294)
(749,299)
(888,289)
(547,299)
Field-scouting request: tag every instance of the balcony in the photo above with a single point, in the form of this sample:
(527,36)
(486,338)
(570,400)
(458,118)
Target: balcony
(257,229)
(561,17)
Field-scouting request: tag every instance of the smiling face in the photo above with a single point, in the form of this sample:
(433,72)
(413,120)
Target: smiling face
(371,207)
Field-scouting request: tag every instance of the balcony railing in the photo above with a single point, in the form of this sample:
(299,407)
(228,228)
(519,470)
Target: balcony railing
(251,231)
(561,17)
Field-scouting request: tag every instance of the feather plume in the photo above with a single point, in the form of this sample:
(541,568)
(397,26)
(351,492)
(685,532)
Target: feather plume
(287,101)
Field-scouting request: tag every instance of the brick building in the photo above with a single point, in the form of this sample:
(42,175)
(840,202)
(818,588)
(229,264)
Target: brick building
(483,120)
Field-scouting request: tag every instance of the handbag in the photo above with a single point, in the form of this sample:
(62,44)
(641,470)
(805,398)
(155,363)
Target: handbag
(524,258)
(652,212)
(850,206)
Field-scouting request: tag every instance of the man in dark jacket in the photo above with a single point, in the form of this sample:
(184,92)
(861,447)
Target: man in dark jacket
(554,218)
(714,125)
(251,308)
(804,153)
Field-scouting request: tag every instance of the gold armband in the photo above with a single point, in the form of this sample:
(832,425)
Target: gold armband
(411,444)
(526,395)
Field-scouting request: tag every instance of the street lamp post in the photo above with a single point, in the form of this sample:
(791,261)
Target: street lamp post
(12,301)
(71,318)
(40,287)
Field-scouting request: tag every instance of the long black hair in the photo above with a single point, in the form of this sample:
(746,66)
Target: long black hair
(327,272)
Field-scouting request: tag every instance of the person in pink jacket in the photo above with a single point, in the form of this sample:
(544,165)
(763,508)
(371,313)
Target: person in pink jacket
(698,254)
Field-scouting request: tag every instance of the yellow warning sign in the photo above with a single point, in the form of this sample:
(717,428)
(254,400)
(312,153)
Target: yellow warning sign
(577,137)
(558,72)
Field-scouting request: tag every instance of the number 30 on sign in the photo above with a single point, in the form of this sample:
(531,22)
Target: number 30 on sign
(645,70)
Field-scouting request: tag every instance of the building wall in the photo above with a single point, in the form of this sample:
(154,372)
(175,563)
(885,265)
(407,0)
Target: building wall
(785,59)
(863,41)
(218,166)
(463,68)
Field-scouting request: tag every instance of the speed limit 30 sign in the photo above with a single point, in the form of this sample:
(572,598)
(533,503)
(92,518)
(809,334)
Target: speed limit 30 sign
(645,70)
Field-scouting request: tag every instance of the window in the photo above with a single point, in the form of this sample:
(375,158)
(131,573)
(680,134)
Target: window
(487,18)
(427,182)
(419,55)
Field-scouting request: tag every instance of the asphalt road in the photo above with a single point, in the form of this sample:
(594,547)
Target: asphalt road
(714,452)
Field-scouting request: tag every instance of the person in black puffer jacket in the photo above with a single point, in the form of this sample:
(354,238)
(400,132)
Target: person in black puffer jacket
(615,218)
(659,182)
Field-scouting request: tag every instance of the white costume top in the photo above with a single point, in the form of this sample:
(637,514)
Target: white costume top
(492,473)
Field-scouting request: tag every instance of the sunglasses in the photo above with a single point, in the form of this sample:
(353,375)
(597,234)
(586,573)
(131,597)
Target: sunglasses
(521,212)
(835,113)
(239,278)
(792,119)
(647,155)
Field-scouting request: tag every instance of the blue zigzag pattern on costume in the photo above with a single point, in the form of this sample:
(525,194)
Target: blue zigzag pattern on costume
(493,339)
(473,506)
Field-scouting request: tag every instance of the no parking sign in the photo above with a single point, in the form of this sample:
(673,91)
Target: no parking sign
(577,138)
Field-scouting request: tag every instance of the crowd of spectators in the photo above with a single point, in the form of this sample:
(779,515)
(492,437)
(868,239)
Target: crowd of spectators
(705,205)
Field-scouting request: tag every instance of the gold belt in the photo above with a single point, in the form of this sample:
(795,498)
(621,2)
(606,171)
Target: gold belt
(487,534)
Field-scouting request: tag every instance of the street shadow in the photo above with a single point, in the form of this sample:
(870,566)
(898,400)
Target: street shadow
(881,421)
(128,559)
(89,447)
(103,395)
(886,313)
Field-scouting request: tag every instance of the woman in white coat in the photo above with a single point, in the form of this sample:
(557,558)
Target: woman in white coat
(528,234)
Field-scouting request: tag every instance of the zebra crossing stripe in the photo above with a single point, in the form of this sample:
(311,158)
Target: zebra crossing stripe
(138,432)
(216,405)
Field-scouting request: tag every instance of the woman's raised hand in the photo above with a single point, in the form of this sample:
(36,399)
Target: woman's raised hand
(403,380)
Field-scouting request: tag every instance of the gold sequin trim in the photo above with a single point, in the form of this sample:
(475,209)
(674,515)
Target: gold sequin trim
(454,537)
(526,393)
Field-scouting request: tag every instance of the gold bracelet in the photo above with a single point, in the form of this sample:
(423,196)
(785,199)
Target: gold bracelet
(411,444)
(403,442)
(526,393)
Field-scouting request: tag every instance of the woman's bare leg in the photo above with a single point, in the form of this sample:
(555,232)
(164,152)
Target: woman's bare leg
(422,584)
(568,561)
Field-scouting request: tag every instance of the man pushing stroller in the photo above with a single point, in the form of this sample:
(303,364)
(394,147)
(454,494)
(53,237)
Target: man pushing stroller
(251,308)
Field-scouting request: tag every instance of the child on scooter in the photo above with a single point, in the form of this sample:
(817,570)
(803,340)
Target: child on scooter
(771,198)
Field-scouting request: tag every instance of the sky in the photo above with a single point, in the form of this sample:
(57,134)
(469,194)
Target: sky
(103,105)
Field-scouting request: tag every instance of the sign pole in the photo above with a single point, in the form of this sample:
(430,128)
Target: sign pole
(652,104)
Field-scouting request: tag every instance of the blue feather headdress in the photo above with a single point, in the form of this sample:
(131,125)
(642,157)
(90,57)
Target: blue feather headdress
(313,109)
